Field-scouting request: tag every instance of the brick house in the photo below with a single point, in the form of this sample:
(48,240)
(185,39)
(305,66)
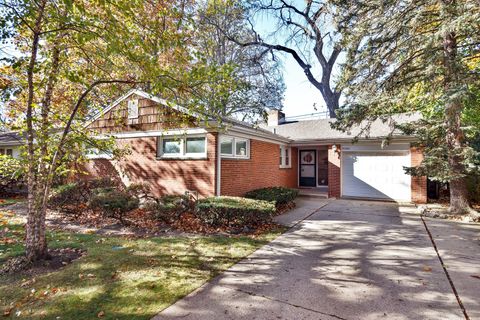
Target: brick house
(175,151)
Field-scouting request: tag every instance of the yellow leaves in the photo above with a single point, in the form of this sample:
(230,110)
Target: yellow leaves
(473,62)
(427,269)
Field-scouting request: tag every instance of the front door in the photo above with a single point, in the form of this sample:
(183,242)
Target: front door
(308,168)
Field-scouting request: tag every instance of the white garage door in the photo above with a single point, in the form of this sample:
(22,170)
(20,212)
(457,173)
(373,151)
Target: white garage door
(377,175)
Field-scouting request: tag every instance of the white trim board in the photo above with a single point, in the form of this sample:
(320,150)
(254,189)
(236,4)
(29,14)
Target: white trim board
(142,134)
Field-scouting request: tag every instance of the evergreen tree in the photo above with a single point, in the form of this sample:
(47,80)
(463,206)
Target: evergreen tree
(418,56)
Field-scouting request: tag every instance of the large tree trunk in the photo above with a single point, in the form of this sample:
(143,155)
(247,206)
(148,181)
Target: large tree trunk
(35,239)
(36,243)
(455,139)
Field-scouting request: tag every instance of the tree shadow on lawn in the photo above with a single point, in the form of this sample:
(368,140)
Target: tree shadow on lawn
(122,278)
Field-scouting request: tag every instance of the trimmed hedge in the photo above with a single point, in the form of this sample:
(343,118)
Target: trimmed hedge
(278,195)
(168,207)
(113,203)
(72,198)
(234,211)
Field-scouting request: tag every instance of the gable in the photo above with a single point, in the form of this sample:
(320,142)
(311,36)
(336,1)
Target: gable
(153,114)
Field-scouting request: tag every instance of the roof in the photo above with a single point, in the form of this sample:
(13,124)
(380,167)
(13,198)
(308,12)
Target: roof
(230,124)
(321,130)
(11,138)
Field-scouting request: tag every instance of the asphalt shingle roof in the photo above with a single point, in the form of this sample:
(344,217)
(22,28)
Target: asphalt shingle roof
(10,139)
(320,129)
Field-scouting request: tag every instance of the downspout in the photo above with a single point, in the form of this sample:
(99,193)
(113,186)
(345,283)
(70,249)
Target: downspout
(219,167)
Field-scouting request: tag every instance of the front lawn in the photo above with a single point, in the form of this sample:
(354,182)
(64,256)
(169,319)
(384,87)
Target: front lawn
(119,277)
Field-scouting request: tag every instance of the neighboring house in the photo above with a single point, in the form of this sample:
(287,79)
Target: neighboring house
(10,143)
(232,157)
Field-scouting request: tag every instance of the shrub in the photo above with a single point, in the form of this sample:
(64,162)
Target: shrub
(72,198)
(11,174)
(279,195)
(168,207)
(69,198)
(473,185)
(113,203)
(140,190)
(234,211)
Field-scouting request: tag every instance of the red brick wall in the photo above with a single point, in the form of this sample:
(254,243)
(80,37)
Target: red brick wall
(261,170)
(166,176)
(419,184)
(334,172)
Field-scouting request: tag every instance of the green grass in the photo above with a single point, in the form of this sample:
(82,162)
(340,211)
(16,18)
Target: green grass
(135,282)
(8,201)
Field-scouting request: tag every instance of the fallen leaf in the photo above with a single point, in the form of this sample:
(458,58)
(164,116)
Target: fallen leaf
(7,312)
(101,314)
(427,269)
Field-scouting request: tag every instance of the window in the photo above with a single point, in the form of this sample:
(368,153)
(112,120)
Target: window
(186,147)
(241,148)
(171,146)
(195,145)
(226,146)
(8,152)
(133,109)
(285,157)
(233,147)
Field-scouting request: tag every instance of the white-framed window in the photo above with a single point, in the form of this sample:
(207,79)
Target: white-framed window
(285,157)
(133,109)
(182,147)
(234,147)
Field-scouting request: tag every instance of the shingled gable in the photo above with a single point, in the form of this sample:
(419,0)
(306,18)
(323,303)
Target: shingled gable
(154,113)
(157,115)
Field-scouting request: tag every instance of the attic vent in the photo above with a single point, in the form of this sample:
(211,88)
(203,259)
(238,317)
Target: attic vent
(133,109)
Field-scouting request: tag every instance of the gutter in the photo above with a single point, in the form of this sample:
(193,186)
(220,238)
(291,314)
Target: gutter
(312,142)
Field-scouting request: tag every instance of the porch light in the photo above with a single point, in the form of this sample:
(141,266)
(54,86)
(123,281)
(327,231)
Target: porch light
(334,148)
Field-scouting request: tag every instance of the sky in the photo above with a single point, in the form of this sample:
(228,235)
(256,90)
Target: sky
(300,95)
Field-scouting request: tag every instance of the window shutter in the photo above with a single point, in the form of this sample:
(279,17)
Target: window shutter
(133,109)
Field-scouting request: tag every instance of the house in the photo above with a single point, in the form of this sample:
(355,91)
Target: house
(176,151)
(10,144)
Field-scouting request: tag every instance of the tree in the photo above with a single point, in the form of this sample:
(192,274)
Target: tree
(307,33)
(70,58)
(418,56)
(259,82)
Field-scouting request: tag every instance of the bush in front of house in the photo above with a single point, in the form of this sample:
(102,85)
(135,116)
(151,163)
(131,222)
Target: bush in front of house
(113,203)
(141,190)
(72,198)
(168,207)
(12,174)
(279,195)
(234,211)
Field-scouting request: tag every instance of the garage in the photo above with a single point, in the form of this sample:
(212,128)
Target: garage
(368,171)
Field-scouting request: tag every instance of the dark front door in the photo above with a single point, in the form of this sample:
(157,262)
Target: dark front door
(308,168)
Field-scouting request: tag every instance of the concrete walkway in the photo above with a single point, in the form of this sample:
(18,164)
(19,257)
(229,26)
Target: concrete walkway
(347,260)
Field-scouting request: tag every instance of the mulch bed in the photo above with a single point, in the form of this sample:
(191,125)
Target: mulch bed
(140,223)
(441,212)
(58,259)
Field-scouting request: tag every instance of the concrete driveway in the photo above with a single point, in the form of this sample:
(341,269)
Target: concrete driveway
(345,260)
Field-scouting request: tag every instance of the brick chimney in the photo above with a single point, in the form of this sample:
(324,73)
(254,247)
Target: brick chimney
(275,117)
